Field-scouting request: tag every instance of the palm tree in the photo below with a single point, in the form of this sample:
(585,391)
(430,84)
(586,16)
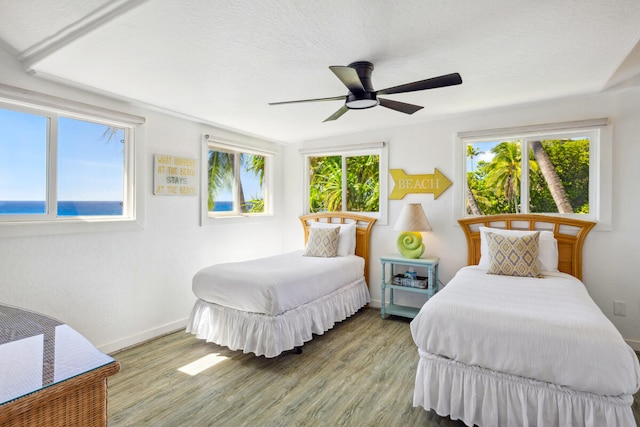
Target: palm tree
(255,164)
(503,173)
(222,177)
(472,204)
(551,177)
(472,153)
(363,188)
(325,189)
(220,174)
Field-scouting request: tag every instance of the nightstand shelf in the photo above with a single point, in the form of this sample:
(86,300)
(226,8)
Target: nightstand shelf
(389,264)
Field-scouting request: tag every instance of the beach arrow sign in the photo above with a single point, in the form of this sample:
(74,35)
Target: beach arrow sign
(435,183)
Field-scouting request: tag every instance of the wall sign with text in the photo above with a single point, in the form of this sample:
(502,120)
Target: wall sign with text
(435,183)
(175,176)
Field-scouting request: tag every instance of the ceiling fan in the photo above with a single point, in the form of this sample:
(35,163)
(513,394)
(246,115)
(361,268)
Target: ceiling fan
(357,78)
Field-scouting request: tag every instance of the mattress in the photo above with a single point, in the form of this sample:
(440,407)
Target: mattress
(276,284)
(546,329)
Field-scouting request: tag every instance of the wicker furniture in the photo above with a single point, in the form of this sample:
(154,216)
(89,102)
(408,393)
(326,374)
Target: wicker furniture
(251,322)
(488,380)
(50,374)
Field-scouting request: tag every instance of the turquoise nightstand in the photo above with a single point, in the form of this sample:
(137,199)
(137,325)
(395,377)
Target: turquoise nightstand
(390,267)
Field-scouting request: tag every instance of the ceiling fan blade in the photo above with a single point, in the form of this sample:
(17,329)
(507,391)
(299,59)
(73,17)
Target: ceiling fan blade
(403,107)
(432,83)
(349,77)
(337,114)
(333,98)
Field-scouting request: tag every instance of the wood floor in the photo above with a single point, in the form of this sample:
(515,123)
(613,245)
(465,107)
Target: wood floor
(360,373)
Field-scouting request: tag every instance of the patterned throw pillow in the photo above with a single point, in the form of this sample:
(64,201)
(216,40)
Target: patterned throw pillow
(513,256)
(322,242)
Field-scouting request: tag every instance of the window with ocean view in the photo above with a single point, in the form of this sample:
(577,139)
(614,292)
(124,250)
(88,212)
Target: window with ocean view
(237,182)
(58,166)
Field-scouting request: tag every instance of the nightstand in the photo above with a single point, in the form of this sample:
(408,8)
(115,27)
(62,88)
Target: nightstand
(393,265)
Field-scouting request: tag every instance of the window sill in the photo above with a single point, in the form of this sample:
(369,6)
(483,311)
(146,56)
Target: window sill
(67,226)
(236,219)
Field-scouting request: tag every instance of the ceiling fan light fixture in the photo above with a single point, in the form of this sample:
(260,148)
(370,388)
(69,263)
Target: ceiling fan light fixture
(357,79)
(361,102)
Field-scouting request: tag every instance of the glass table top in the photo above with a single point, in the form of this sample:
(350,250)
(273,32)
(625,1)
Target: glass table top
(37,351)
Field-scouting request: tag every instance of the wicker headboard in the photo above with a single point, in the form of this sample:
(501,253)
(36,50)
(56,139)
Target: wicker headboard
(364,224)
(570,234)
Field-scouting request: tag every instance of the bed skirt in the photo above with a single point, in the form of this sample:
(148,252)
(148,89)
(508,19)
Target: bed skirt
(482,397)
(271,335)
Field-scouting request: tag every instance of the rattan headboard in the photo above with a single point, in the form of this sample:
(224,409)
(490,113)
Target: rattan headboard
(364,224)
(570,234)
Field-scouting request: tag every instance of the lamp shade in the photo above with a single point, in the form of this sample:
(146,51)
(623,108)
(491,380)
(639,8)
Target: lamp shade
(412,218)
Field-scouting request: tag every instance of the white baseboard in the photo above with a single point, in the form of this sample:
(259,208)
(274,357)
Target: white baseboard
(140,338)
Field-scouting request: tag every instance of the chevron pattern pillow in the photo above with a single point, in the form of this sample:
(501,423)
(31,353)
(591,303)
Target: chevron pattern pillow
(322,242)
(513,256)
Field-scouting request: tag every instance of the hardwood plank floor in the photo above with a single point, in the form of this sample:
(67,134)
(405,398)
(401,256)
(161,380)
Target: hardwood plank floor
(360,373)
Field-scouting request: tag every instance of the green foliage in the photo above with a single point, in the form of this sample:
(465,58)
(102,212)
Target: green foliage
(571,161)
(496,184)
(220,175)
(325,184)
(325,179)
(363,189)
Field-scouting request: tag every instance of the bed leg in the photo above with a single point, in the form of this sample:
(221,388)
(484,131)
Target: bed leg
(298,350)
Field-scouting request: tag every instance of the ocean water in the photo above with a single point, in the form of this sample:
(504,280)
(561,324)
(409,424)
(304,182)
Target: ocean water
(222,206)
(65,208)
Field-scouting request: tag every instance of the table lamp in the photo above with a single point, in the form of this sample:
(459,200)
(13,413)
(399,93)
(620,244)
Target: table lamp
(411,222)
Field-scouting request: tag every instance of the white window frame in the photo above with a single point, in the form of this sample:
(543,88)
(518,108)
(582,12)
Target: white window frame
(600,158)
(380,149)
(52,108)
(209,143)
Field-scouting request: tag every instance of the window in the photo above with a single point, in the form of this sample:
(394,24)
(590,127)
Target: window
(237,182)
(59,166)
(347,180)
(554,171)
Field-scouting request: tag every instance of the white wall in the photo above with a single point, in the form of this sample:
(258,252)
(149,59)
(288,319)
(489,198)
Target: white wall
(120,288)
(610,257)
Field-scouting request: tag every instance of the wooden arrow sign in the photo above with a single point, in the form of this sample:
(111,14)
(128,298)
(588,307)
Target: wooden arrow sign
(435,183)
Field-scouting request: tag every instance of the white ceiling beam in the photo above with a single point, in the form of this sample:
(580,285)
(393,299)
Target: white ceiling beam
(102,15)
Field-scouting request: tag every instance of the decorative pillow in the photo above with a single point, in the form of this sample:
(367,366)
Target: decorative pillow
(547,249)
(347,240)
(513,256)
(322,242)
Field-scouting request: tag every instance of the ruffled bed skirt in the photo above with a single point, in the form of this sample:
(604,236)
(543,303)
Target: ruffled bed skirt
(271,335)
(486,398)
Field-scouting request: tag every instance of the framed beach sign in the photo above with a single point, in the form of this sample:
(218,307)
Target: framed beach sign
(175,176)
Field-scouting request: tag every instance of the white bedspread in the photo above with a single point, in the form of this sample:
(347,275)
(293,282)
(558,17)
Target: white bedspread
(275,284)
(546,329)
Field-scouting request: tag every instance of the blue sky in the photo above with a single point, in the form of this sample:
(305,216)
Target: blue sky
(90,166)
(485,154)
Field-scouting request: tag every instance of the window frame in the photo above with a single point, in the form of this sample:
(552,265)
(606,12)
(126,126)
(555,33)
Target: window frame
(380,149)
(600,152)
(208,143)
(52,108)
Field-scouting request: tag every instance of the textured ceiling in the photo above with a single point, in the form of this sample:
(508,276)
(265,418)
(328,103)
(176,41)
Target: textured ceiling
(223,61)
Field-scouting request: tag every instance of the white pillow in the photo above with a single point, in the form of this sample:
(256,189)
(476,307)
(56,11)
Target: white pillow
(347,236)
(547,252)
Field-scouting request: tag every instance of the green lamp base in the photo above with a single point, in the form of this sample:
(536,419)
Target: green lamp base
(410,244)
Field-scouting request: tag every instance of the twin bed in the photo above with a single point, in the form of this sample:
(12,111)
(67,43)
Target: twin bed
(270,305)
(525,346)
